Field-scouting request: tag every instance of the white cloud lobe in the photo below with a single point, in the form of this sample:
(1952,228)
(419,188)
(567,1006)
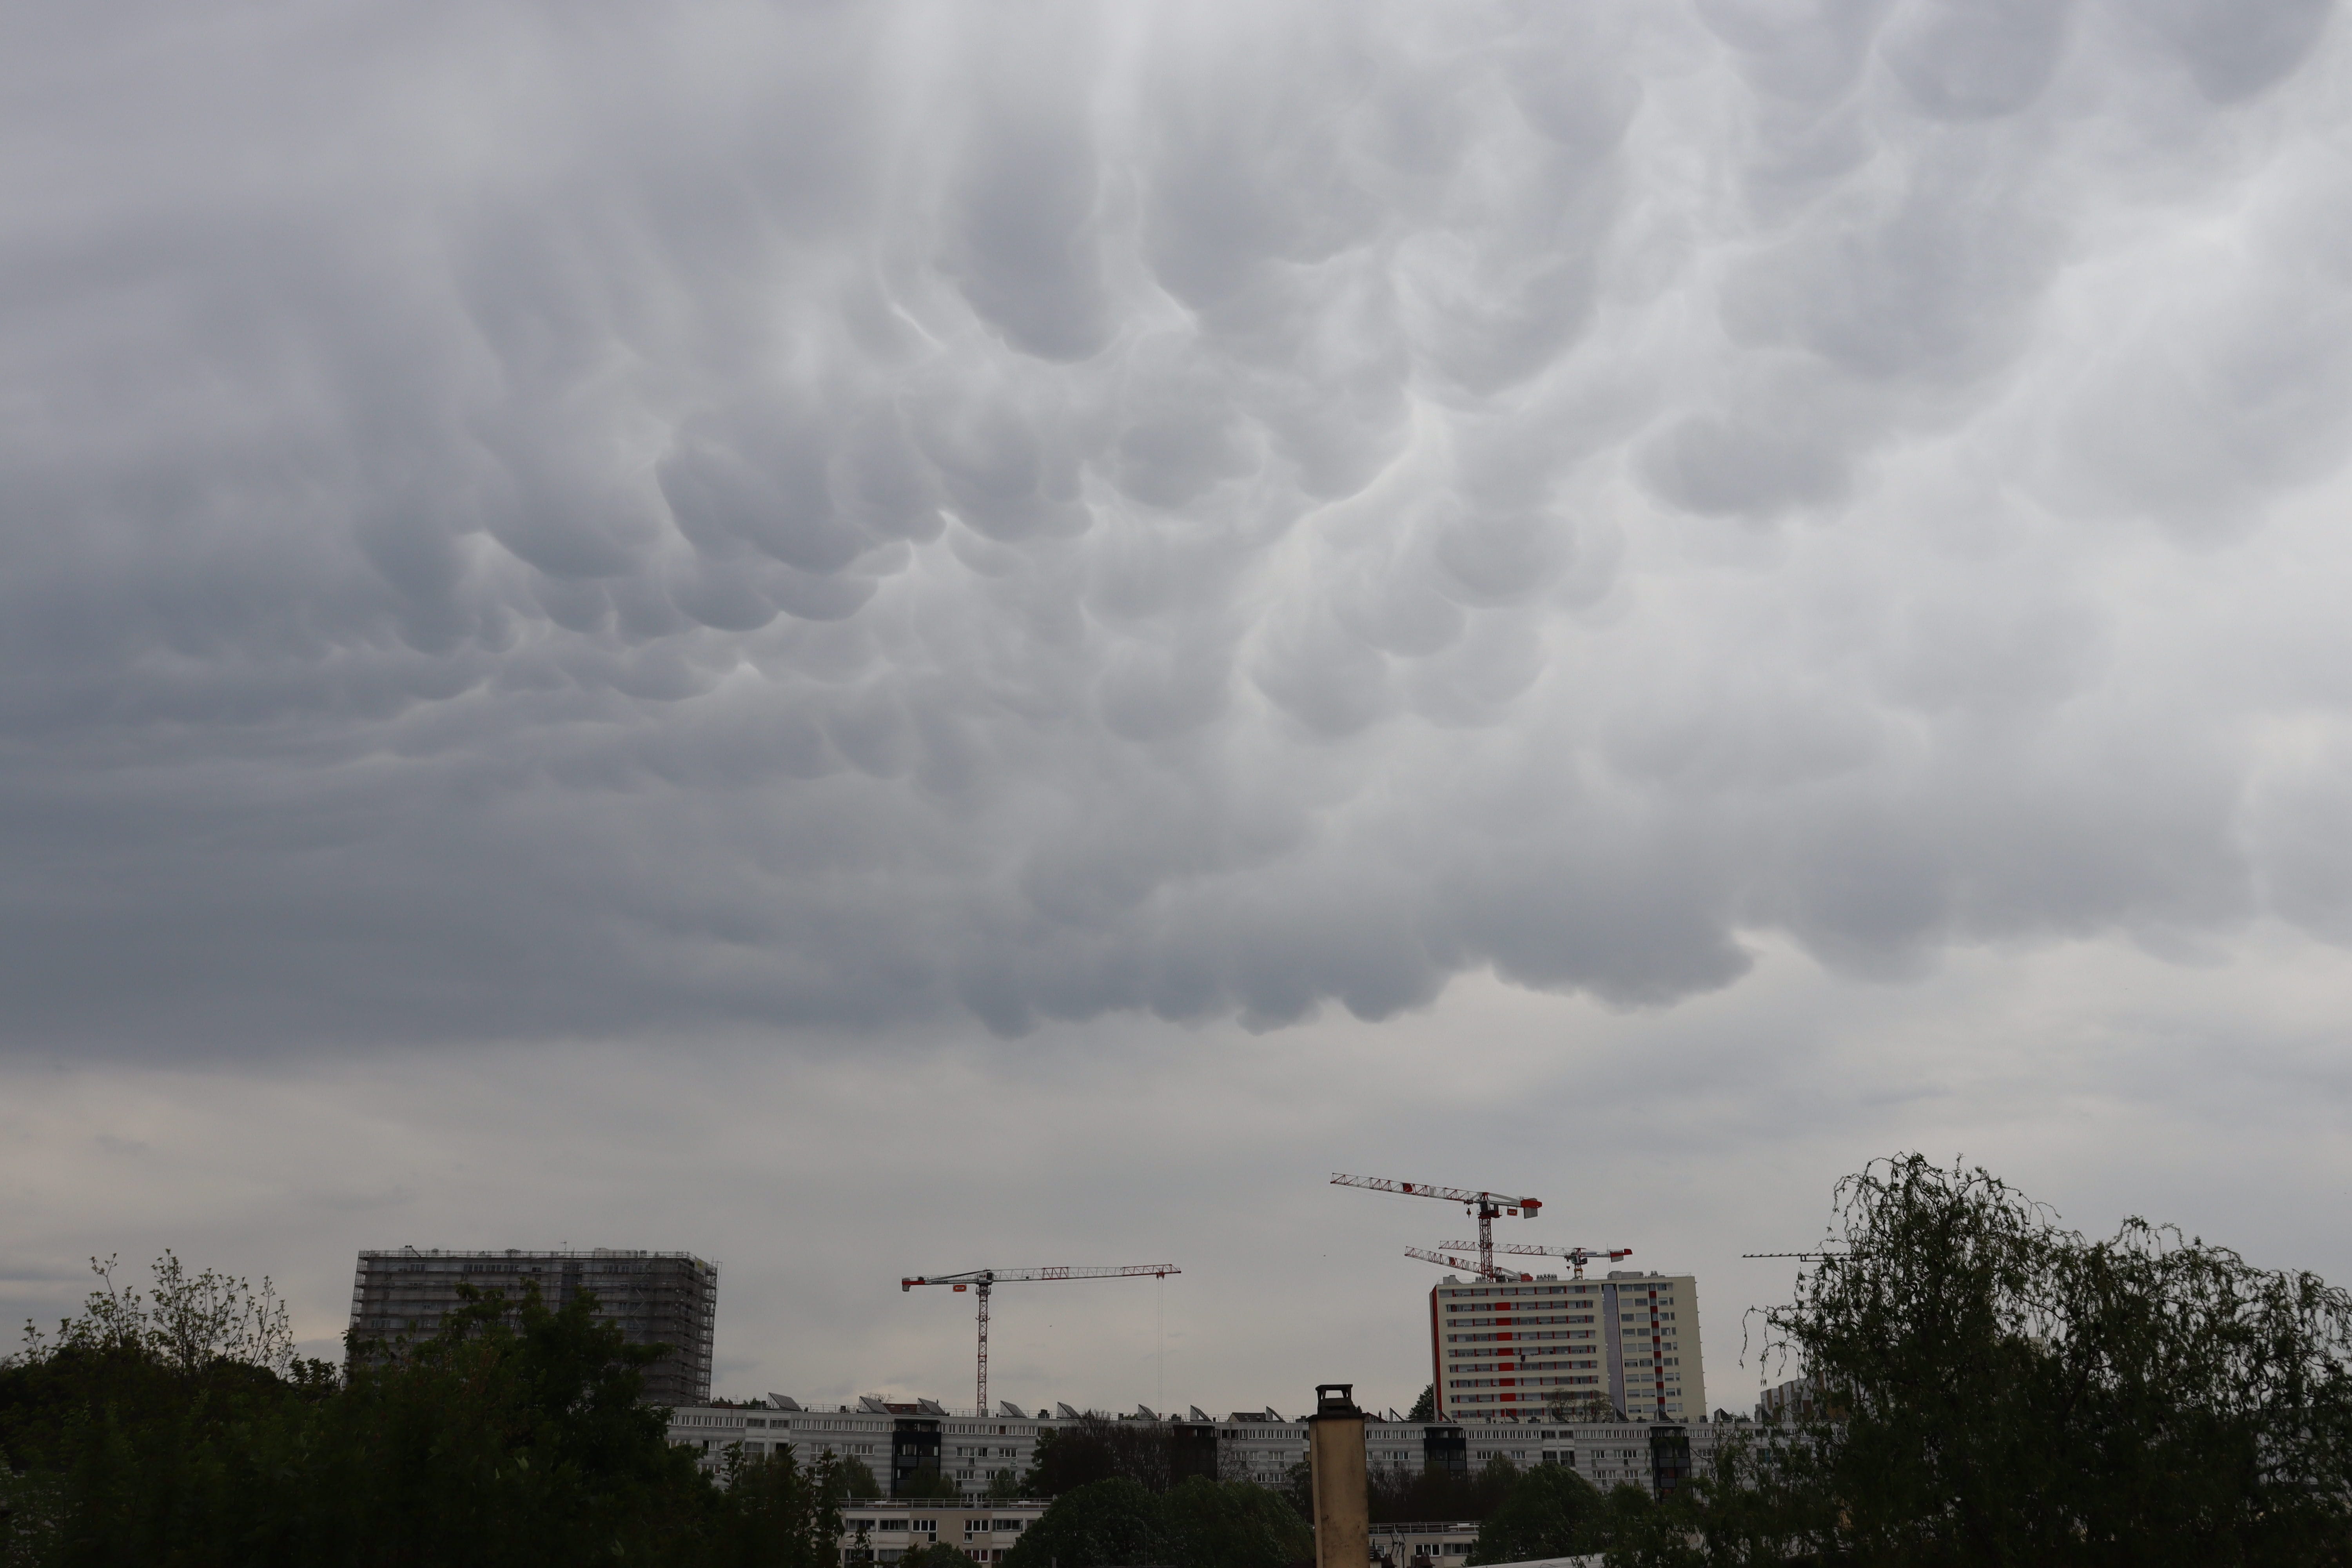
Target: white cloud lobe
(531,520)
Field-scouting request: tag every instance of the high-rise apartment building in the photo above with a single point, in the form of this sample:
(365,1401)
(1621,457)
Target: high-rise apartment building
(1629,1343)
(654,1298)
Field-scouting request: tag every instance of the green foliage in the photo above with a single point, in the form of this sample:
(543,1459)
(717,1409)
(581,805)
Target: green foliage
(185,1323)
(928,1483)
(1004,1486)
(1998,1390)
(769,1513)
(1198,1524)
(1552,1511)
(1232,1524)
(930,1555)
(1637,1530)
(1298,1489)
(177,1430)
(856,1478)
(1436,1492)
(1097,1449)
(1425,1407)
(1111,1522)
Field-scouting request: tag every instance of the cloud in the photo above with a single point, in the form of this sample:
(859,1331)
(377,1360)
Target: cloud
(2099,1079)
(533,523)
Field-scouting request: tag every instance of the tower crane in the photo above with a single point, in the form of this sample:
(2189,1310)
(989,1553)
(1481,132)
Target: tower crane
(1487,1207)
(980,1281)
(1467,1265)
(1576,1256)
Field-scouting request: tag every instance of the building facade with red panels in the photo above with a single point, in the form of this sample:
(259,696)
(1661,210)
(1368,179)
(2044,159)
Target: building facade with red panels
(1523,1350)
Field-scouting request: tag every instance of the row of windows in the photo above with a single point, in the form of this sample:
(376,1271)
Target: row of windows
(1473,1293)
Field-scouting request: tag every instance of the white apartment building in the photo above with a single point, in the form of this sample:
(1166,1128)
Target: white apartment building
(1502,1350)
(892,1439)
(1261,1445)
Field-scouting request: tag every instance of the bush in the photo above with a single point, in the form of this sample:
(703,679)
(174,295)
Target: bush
(1552,1511)
(1199,1525)
(1232,1524)
(930,1555)
(1113,1522)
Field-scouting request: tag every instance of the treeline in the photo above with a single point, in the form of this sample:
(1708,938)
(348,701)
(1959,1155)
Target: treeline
(1987,1389)
(177,1430)
(1118,1500)
(1098,1448)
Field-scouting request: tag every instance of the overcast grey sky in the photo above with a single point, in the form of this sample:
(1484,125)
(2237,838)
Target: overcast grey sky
(885,637)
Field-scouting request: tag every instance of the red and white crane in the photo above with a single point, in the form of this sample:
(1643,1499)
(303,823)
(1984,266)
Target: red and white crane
(980,1281)
(1577,1257)
(1487,1207)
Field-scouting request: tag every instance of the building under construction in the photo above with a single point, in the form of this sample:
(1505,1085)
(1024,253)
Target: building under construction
(667,1298)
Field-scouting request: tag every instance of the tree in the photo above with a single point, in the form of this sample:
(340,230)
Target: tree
(1298,1488)
(1573,1409)
(1425,1408)
(856,1478)
(1004,1486)
(1552,1511)
(1097,1448)
(772,1513)
(161,1430)
(928,1483)
(1434,1492)
(1112,1521)
(1232,1524)
(1636,1530)
(186,1323)
(1198,1524)
(932,1555)
(1998,1389)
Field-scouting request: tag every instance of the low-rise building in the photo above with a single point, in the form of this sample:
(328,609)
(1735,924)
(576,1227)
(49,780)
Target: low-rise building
(1429,1544)
(878,1531)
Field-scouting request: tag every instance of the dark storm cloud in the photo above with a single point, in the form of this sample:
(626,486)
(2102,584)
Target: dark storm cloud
(534,521)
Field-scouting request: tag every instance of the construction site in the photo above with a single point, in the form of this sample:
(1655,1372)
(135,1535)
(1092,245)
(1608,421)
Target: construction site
(1528,1365)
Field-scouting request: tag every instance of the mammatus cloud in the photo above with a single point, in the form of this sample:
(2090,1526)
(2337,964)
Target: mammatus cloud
(528,520)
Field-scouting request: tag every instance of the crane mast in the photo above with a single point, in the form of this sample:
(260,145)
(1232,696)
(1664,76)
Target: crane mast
(982,1281)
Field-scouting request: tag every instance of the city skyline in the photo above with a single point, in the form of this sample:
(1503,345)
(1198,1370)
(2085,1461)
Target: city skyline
(869,639)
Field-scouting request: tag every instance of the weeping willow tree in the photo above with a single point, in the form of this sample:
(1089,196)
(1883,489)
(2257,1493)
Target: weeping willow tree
(1994,1388)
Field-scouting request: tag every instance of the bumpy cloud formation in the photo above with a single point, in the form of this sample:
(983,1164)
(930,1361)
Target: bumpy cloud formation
(529,519)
